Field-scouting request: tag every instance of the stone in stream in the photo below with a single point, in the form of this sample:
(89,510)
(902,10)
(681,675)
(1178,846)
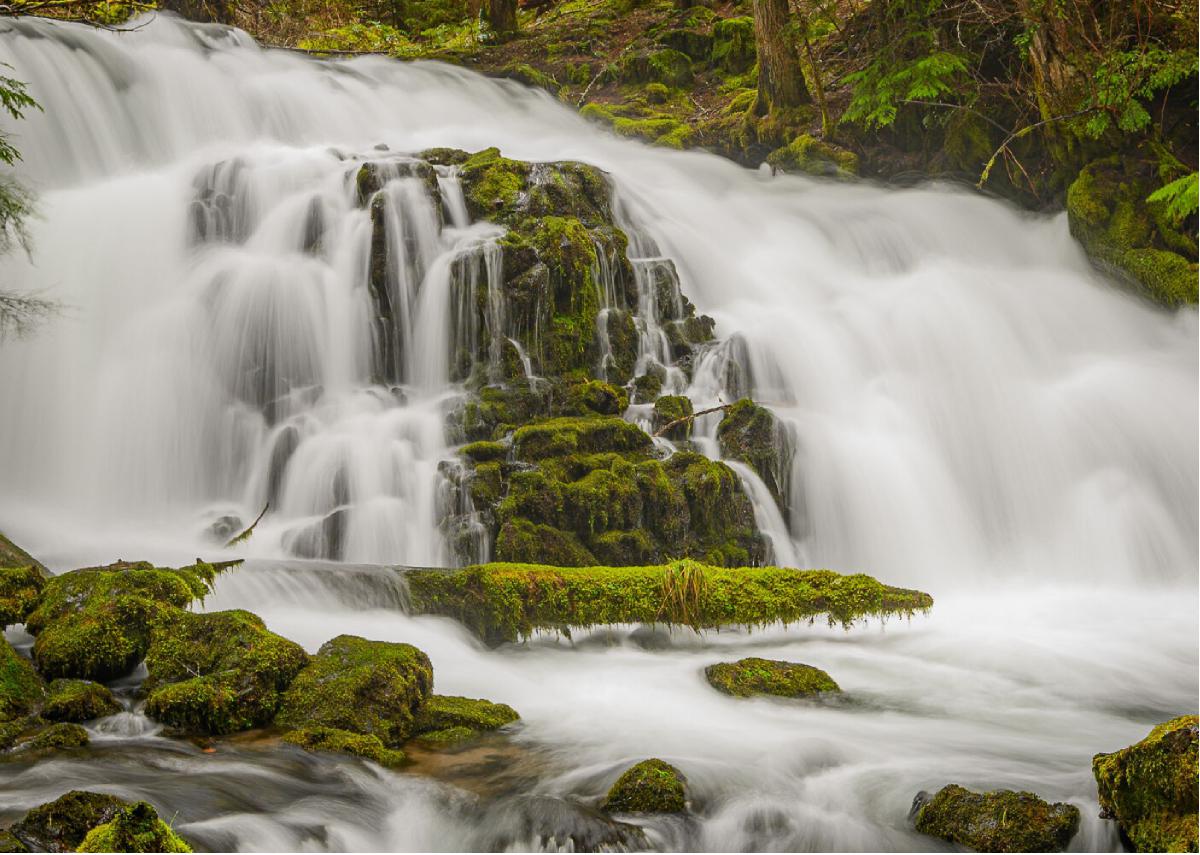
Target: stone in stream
(996,821)
(78,700)
(446,720)
(136,828)
(652,786)
(334,740)
(1150,788)
(754,676)
(61,825)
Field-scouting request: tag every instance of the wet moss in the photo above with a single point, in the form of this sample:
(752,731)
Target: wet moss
(61,825)
(506,602)
(367,687)
(520,540)
(55,737)
(483,451)
(78,700)
(652,786)
(595,397)
(135,828)
(492,183)
(20,590)
(1150,788)
(751,433)
(754,676)
(443,712)
(219,672)
(21,689)
(11,843)
(563,436)
(672,408)
(997,821)
(447,737)
(333,740)
(811,156)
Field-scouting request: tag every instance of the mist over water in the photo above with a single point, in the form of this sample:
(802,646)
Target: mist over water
(972,411)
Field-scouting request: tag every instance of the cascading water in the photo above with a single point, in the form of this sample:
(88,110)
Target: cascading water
(971,410)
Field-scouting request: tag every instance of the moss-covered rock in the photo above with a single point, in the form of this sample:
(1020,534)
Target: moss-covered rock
(733,47)
(754,676)
(20,590)
(672,408)
(330,739)
(61,825)
(446,738)
(219,672)
(668,66)
(997,821)
(751,433)
(484,451)
(565,436)
(652,786)
(55,737)
(367,687)
(9,842)
(95,623)
(21,689)
(595,397)
(78,700)
(12,555)
(441,712)
(505,602)
(1150,788)
(806,154)
(1109,215)
(136,828)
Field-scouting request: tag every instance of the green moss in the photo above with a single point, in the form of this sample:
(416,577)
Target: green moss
(525,73)
(136,828)
(998,821)
(78,700)
(657,93)
(484,451)
(442,712)
(61,825)
(754,676)
(21,690)
(330,739)
(733,49)
(815,157)
(1150,788)
(20,590)
(492,183)
(520,540)
(563,436)
(668,66)
(11,843)
(55,737)
(446,738)
(505,602)
(671,408)
(751,434)
(596,397)
(12,555)
(652,786)
(369,687)
(219,672)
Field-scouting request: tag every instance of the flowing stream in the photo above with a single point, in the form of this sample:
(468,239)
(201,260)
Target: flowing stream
(970,408)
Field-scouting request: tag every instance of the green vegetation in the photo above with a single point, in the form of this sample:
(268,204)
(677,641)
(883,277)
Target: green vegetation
(61,825)
(446,712)
(999,821)
(754,676)
(505,602)
(331,739)
(135,828)
(360,686)
(20,589)
(54,737)
(78,700)
(1150,788)
(753,435)
(21,690)
(651,786)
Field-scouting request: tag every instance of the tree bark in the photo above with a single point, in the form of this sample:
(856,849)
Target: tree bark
(502,16)
(780,78)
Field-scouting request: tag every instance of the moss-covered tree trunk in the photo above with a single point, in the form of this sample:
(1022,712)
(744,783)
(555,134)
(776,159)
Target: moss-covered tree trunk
(502,16)
(780,78)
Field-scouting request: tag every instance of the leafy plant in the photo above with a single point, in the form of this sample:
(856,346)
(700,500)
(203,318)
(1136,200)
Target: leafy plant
(1181,197)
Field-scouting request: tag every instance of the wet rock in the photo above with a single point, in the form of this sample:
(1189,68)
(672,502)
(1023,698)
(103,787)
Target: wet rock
(331,739)
(1150,788)
(21,689)
(219,672)
(61,825)
(652,786)
(672,408)
(751,433)
(545,823)
(78,700)
(136,828)
(996,821)
(484,451)
(563,436)
(224,528)
(367,687)
(808,155)
(754,676)
(596,397)
(55,737)
(443,717)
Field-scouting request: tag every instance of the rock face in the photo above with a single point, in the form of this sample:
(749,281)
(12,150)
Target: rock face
(997,821)
(61,825)
(1150,788)
(218,673)
(753,676)
(360,686)
(652,786)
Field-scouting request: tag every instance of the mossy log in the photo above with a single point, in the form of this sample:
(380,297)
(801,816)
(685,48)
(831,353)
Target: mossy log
(507,602)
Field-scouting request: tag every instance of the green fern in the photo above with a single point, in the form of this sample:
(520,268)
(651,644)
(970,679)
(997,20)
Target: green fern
(1181,197)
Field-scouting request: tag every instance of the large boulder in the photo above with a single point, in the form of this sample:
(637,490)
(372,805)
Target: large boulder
(21,689)
(360,686)
(78,700)
(136,828)
(997,821)
(218,673)
(61,825)
(652,786)
(20,590)
(754,676)
(1150,788)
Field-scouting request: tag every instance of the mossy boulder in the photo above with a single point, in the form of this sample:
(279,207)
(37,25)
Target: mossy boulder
(484,451)
(668,66)
(20,590)
(78,700)
(1129,237)
(21,689)
(136,828)
(55,737)
(61,825)
(997,821)
(652,786)
(331,739)
(751,434)
(754,676)
(1150,788)
(95,623)
(595,397)
(670,409)
(442,712)
(565,436)
(361,686)
(218,673)
(811,156)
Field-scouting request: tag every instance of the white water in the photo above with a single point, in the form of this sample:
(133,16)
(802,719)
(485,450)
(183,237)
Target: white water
(976,413)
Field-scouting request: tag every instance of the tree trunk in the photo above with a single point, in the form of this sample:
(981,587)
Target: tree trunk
(780,78)
(502,16)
